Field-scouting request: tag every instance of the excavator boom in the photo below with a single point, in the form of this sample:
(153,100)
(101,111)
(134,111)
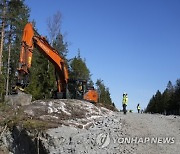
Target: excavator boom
(30,39)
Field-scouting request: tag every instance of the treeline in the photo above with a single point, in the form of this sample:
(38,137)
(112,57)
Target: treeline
(167,102)
(14,15)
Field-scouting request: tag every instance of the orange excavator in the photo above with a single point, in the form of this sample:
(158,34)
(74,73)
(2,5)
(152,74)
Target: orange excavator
(66,88)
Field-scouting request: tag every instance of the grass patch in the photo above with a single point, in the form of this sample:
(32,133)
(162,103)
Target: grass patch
(35,124)
(4,107)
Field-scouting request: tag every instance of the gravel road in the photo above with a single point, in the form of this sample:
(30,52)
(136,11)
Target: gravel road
(80,127)
(163,132)
(117,133)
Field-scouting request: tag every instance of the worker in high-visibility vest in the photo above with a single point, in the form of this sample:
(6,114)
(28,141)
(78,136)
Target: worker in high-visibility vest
(138,108)
(124,102)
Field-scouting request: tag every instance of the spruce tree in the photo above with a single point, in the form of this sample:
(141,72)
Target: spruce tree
(104,94)
(41,84)
(151,105)
(168,102)
(176,102)
(60,45)
(167,97)
(78,68)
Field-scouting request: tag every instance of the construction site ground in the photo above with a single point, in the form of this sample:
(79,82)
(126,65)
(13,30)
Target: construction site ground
(74,126)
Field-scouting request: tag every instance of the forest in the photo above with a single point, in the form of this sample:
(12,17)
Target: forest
(14,14)
(166,103)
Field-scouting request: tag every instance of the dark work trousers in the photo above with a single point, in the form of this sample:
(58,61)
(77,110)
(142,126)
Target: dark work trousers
(124,108)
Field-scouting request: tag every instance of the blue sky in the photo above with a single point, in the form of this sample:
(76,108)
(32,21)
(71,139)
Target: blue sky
(132,45)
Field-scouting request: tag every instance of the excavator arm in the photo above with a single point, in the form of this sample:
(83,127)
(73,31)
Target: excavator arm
(29,41)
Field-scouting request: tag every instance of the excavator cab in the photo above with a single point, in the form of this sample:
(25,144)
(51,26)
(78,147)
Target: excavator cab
(79,89)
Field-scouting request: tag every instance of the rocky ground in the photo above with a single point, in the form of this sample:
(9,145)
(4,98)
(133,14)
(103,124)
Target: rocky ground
(75,127)
(118,133)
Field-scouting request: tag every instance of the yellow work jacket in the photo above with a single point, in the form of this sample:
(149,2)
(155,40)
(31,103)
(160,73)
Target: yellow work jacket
(125,100)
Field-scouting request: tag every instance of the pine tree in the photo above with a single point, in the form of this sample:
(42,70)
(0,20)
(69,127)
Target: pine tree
(168,102)
(104,94)
(167,97)
(16,14)
(176,102)
(2,87)
(108,96)
(3,8)
(60,45)
(151,105)
(78,68)
(43,79)
(155,104)
(159,105)
(41,83)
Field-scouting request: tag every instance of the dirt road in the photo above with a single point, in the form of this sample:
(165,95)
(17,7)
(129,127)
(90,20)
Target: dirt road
(160,134)
(118,133)
(78,127)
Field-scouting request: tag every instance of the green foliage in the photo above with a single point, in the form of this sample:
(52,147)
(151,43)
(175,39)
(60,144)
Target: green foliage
(30,124)
(60,45)
(13,117)
(42,80)
(2,87)
(168,102)
(104,94)
(78,68)
(17,14)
